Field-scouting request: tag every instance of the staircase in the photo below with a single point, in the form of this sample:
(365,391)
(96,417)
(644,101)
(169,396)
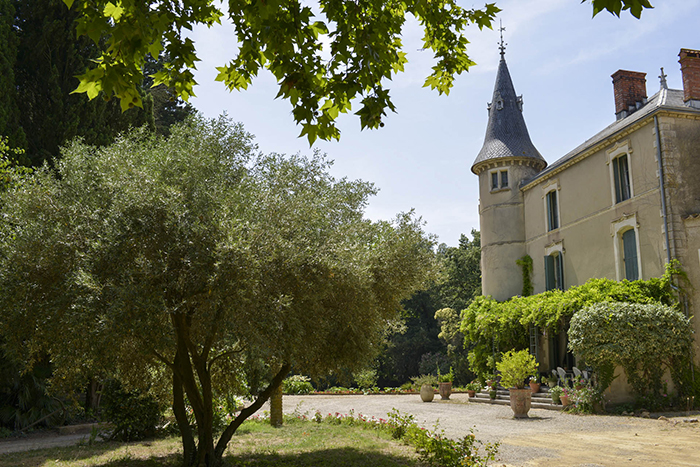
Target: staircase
(540,400)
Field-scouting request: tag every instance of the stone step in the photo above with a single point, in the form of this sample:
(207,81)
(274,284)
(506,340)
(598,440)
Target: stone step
(540,400)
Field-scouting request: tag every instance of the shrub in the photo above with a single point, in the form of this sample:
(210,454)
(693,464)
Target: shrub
(297,384)
(134,416)
(366,379)
(506,324)
(515,367)
(643,339)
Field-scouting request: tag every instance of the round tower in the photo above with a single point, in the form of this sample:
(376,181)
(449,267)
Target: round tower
(506,159)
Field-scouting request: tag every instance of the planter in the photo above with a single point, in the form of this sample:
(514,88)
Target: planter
(555,398)
(535,387)
(551,382)
(445,390)
(492,394)
(427,393)
(520,401)
(565,400)
(471,394)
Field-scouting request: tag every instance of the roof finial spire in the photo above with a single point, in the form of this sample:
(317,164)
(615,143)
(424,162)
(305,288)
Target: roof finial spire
(502,45)
(662,77)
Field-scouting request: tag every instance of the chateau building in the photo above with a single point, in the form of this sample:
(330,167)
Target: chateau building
(621,205)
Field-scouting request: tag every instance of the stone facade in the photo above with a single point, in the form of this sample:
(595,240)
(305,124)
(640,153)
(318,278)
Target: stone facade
(620,206)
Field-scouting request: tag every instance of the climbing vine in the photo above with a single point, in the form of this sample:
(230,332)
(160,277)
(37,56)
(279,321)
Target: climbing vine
(525,264)
(490,325)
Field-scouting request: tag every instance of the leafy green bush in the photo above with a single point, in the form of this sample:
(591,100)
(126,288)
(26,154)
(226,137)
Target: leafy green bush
(366,379)
(297,384)
(644,339)
(506,324)
(515,367)
(134,416)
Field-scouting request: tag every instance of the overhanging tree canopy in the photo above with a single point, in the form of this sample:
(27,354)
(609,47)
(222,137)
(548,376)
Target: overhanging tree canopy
(193,257)
(363,49)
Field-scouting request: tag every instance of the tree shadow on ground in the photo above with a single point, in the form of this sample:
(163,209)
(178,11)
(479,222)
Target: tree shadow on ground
(40,457)
(337,457)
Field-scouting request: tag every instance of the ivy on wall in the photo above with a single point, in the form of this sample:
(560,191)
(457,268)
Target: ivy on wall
(525,264)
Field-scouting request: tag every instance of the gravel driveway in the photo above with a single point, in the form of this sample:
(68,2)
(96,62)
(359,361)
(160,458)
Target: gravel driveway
(547,438)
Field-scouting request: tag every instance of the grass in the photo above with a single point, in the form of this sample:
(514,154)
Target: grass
(257,444)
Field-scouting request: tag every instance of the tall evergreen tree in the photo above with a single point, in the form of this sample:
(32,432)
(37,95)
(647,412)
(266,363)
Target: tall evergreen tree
(49,56)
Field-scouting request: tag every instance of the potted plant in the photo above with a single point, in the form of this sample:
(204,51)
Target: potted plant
(555,393)
(426,384)
(565,397)
(535,384)
(515,367)
(552,380)
(473,387)
(492,394)
(445,382)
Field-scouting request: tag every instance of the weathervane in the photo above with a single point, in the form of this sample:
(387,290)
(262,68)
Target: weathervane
(502,45)
(662,77)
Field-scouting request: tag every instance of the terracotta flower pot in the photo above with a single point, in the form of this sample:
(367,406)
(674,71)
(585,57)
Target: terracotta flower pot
(427,393)
(471,393)
(564,400)
(445,390)
(535,387)
(520,402)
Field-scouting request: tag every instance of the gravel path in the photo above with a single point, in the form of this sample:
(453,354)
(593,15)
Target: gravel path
(548,437)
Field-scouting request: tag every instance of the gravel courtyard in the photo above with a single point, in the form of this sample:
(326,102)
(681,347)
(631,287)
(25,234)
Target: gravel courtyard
(548,438)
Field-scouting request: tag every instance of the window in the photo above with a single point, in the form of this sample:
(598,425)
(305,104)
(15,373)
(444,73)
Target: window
(629,255)
(552,210)
(554,271)
(621,176)
(625,232)
(620,160)
(499,180)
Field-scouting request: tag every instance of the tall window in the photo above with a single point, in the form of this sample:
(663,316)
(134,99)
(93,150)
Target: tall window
(552,211)
(494,180)
(621,177)
(504,179)
(554,272)
(629,255)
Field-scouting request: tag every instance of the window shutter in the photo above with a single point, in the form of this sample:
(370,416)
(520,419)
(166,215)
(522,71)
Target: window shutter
(624,178)
(549,278)
(560,271)
(616,176)
(629,247)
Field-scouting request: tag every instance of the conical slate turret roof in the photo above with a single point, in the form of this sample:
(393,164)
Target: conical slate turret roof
(506,133)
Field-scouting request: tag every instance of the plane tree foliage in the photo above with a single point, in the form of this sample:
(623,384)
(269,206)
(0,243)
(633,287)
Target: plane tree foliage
(192,259)
(324,55)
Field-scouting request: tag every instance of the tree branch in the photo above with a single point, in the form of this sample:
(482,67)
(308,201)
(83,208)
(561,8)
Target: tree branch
(250,410)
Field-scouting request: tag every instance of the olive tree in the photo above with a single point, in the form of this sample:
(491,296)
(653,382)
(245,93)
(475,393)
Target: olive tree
(194,260)
(644,339)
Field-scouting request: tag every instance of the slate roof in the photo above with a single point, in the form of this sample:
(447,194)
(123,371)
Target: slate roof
(506,133)
(670,99)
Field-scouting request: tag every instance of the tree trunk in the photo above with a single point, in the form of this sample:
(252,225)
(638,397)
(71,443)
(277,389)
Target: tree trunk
(189,448)
(276,418)
(250,410)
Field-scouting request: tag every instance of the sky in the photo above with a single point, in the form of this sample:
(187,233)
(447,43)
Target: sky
(560,60)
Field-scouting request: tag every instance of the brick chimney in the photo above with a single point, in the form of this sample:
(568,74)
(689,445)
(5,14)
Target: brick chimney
(630,91)
(690,69)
